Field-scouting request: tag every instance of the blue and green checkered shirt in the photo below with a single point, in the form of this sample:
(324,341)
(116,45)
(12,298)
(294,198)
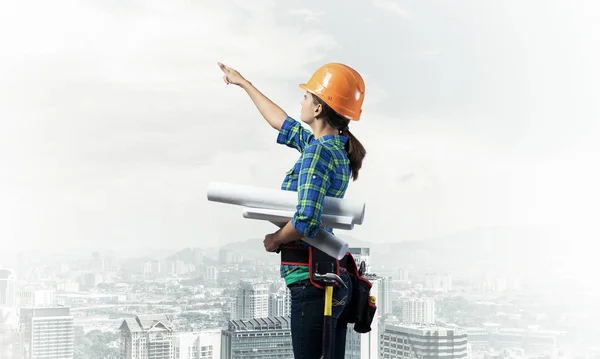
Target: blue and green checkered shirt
(323,169)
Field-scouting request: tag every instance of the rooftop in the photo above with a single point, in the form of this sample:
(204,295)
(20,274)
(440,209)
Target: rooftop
(6,273)
(422,329)
(144,323)
(259,324)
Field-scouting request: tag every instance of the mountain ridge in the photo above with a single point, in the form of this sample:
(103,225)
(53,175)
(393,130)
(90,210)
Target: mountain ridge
(469,252)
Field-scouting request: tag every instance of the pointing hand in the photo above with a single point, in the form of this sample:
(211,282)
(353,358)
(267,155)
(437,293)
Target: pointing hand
(231,76)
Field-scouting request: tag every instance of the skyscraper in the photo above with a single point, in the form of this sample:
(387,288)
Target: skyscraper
(9,332)
(408,341)
(7,287)
(260,338)
(212,273)
(46,333)
(280,303)
(37,297)
(205,344)
(418,311)
(434,281)
(384,305)
(403,275)
(252,301)
(147,337)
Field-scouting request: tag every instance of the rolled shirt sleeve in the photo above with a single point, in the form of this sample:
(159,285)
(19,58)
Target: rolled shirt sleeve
(294,135)
(313,183)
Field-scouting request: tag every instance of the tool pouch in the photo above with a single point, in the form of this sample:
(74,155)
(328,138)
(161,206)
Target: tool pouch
(321,263)
(362,307)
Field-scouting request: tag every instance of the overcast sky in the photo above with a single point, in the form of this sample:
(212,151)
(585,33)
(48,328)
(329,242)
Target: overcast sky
(114,116)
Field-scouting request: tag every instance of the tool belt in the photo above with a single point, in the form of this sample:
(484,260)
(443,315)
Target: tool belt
(361,309)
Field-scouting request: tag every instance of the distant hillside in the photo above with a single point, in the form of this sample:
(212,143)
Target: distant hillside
(483,249)
(496,250)
(254,248)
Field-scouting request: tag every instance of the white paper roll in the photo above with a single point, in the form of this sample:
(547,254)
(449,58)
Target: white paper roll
(326,242)
(276,215)
(257,197)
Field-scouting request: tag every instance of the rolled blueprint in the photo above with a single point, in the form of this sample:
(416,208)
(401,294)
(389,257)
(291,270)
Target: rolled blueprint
(276,215)
(257,197)
(325,241)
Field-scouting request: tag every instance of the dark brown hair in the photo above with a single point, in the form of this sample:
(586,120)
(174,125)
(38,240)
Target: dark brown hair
(356,151)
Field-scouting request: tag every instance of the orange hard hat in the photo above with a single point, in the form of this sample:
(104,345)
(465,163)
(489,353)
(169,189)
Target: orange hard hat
(340,87)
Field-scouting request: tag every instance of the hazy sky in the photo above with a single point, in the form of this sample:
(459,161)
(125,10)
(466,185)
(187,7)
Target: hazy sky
(114,116)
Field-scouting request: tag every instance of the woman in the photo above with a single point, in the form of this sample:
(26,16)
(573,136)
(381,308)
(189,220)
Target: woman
(330,156)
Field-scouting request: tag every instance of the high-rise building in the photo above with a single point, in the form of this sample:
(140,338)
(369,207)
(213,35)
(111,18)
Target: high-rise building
(147,337)
(403,275)
(37,297)
(384,300)
(98,262)
(259,338)
(252,301)
(46,333)
(229,257)
(280,303)
(9,332)
(418,311)
(67,286)
(211,273)
(156,268)
(533,340)
(446,282)
(205,344)
(7,287)
(409,341)
(438,282)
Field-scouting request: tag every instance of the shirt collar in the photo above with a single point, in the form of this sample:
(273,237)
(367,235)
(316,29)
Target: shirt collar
(337,139)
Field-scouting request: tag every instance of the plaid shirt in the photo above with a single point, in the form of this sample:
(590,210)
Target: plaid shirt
(323,169)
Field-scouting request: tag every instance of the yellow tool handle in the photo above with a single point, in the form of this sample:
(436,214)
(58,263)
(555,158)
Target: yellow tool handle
(328,300)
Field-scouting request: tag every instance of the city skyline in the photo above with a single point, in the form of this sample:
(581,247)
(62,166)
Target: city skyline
(231,306)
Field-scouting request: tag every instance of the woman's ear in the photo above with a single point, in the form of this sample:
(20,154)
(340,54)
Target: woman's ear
(318,110)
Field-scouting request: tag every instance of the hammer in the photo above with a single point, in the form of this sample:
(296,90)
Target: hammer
(329,279)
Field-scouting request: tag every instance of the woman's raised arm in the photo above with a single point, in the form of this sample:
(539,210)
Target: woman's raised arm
(267,108)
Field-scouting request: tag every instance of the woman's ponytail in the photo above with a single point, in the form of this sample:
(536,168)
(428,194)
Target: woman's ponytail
(355,150)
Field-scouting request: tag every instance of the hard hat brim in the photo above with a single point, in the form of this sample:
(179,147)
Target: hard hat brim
(308,89)
(305,88)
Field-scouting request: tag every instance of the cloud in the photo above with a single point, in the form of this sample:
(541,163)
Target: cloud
(406,177)
(117,112)
(143,79)
(307,14)
(392,6)
(432,52)
(115,117)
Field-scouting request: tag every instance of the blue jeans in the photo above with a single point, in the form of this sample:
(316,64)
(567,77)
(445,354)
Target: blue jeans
(308,303)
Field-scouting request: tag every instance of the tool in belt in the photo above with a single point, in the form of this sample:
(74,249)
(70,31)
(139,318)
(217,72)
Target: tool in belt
(324,272)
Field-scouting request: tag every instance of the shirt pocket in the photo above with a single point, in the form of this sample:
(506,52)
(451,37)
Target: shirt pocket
(293,173)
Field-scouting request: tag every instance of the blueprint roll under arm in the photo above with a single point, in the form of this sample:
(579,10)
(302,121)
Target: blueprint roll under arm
(279,206)
(324,241)
(257,197)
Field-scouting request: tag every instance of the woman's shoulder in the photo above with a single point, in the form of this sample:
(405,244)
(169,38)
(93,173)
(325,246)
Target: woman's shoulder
(317,151)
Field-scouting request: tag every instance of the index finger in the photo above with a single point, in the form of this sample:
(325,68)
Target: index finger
(223,67)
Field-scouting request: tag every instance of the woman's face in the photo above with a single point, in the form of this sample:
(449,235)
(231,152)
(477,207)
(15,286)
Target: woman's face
(308,110)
